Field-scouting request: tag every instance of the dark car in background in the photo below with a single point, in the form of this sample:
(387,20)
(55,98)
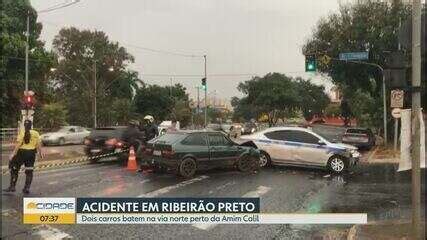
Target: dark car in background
(249,128)
(362,138)
(104,140)
(185,152)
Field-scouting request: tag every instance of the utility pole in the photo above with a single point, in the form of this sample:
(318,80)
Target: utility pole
(170,88)
(198,105)
(206,95)
(384,109)
(94,95)
(26,51)
(416,102)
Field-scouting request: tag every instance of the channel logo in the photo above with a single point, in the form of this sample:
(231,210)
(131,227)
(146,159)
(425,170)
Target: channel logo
(49,210)
(49,205)
(52,206)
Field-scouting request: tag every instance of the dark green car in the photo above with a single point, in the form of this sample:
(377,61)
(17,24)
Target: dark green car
(185,152)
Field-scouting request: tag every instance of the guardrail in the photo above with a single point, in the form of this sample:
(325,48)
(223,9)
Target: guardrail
(8,134)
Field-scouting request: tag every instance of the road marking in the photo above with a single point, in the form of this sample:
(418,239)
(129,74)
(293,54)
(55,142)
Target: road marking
(49,233)
(261,190)
(173,187)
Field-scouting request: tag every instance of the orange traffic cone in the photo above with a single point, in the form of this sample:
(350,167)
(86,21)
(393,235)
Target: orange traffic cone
(132,166)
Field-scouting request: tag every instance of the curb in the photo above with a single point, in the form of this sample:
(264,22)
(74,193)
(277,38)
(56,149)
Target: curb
(59,163)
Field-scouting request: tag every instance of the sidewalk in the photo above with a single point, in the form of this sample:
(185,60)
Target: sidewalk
(387,230)
(383,155)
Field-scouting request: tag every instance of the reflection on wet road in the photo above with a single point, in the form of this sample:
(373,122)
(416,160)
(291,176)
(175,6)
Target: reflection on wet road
(375,189)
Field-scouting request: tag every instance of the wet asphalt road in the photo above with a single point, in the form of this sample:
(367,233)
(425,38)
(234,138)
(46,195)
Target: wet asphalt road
(375,189)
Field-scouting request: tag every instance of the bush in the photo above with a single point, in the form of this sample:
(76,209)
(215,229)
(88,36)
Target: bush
(51,116)
(333,110)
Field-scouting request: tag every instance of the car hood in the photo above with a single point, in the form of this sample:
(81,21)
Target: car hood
(343,145)
(53,134)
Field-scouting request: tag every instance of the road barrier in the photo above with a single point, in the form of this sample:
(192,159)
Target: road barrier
(66,162)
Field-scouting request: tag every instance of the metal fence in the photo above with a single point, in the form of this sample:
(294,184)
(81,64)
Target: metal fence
(8,134)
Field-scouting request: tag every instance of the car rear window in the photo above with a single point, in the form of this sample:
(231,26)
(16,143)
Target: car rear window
(357,131)
(171,137)
(195,139)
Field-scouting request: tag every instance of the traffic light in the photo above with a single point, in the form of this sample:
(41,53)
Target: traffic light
(28,100)
(204,84)
(310,63)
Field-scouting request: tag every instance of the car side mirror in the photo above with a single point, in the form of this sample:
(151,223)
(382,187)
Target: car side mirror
(320,142)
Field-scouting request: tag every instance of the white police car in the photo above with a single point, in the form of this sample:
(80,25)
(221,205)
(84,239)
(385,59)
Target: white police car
(295,146)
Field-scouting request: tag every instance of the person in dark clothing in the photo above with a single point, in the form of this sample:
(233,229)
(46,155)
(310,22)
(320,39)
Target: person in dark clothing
(150,128)
(24,153)
(132,135)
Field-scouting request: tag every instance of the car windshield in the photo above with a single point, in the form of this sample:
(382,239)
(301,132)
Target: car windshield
(170,138)
(64,129)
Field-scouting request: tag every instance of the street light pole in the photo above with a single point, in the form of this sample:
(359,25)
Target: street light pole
(26,51)
(384,108)
(198,106)
(94,95)
(206,95)
(417,231)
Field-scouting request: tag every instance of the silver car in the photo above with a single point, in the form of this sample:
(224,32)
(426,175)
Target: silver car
(297,146)
(65,135)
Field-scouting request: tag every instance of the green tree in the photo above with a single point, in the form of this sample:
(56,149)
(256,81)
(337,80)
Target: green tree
(160,102)
(242,111)
(181,112)
(121,111)
(273,94)
(278,96)
(313,99)
(367,26)
(85,55)
(12,64)
(51,116)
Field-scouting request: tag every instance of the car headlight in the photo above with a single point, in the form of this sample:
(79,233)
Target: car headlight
(354,153)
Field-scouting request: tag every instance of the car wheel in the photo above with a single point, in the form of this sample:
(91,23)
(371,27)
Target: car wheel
(245,163)
(264,160)
(61,141)
(187,168)
(337,164)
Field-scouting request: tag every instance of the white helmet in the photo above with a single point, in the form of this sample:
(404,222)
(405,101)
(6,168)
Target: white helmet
(149,118)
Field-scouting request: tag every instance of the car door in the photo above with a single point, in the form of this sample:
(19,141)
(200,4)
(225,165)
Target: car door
(222,150)
(79,136)
(196,144)
(280,151)
(309,150)
(71,135)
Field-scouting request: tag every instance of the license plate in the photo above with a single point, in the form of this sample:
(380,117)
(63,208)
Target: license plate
(95,150)
(157,153)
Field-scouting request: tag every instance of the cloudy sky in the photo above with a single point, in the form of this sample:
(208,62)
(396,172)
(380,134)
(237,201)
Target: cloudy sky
(240,37)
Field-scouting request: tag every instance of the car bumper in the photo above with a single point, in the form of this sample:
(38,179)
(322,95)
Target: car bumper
(48,141)
(163,162)
(95,150)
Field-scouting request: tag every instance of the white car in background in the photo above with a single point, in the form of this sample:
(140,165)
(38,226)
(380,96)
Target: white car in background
(65,135)
(163,127)
(296,146)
